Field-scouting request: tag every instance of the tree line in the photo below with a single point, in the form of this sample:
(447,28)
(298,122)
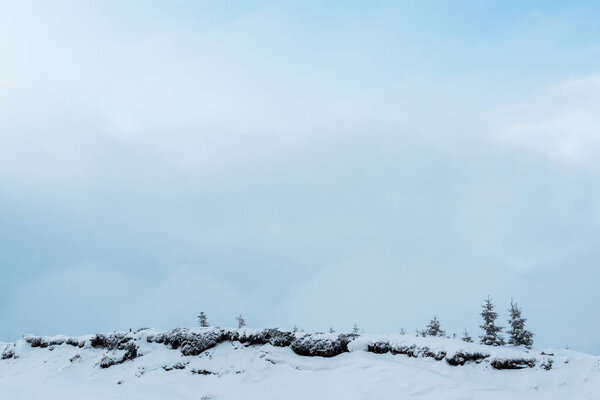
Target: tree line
(203,320)
(492,333)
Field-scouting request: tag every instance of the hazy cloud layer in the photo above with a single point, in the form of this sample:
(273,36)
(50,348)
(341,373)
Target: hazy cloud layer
(562,122)
(313,165)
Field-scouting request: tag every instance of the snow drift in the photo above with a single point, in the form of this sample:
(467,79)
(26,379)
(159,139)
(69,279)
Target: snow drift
(247,363)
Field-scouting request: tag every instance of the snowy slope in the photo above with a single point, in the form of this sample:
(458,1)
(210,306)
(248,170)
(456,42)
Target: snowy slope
(71,368)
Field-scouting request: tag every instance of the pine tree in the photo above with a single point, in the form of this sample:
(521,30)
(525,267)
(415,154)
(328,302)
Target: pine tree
(466,337)
(355,329)
(491,335)
(202,320)
(331,330)
(434,328)
(241,321)
(402,331)
(518,335)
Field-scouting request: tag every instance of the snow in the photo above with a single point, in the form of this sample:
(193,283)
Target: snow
(232,370)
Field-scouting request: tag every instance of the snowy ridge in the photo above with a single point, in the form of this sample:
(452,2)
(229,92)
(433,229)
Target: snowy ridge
(194,341)
(248,363)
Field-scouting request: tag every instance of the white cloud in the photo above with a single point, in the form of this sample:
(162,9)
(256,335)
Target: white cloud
(562,123)
(184,100)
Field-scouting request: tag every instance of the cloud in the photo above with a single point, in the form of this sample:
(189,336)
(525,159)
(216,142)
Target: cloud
(73,107)
(74,300)
(305,173)
(563,122)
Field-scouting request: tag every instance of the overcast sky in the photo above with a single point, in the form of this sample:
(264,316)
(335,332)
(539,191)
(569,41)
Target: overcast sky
(299,163)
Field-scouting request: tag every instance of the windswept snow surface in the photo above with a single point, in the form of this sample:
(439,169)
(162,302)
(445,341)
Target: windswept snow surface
(233,370)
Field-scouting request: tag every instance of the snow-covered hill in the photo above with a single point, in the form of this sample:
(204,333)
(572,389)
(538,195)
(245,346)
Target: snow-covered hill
(212,363)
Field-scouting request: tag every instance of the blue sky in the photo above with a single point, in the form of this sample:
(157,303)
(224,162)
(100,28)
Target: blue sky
(308,163)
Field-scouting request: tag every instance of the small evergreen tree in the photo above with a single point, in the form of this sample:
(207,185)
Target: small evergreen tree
(402,331)
(466,337)
(241,321)
(518,335)
(331,330)
(355,329)
(434,328)
(491,332)
(202,320)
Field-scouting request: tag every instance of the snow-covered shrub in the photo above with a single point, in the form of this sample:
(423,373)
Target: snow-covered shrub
(313,345)
(123,346)
(75,342)
(113,341)
(35,341)
(178,365)
(191,343)
(547,364)
(516,363)
(274,337)
(130,354)
(203,372)
(38,341)
(7,353)
(411,351)
(461,358)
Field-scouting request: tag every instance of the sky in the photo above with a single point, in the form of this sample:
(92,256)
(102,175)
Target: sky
(301,163)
